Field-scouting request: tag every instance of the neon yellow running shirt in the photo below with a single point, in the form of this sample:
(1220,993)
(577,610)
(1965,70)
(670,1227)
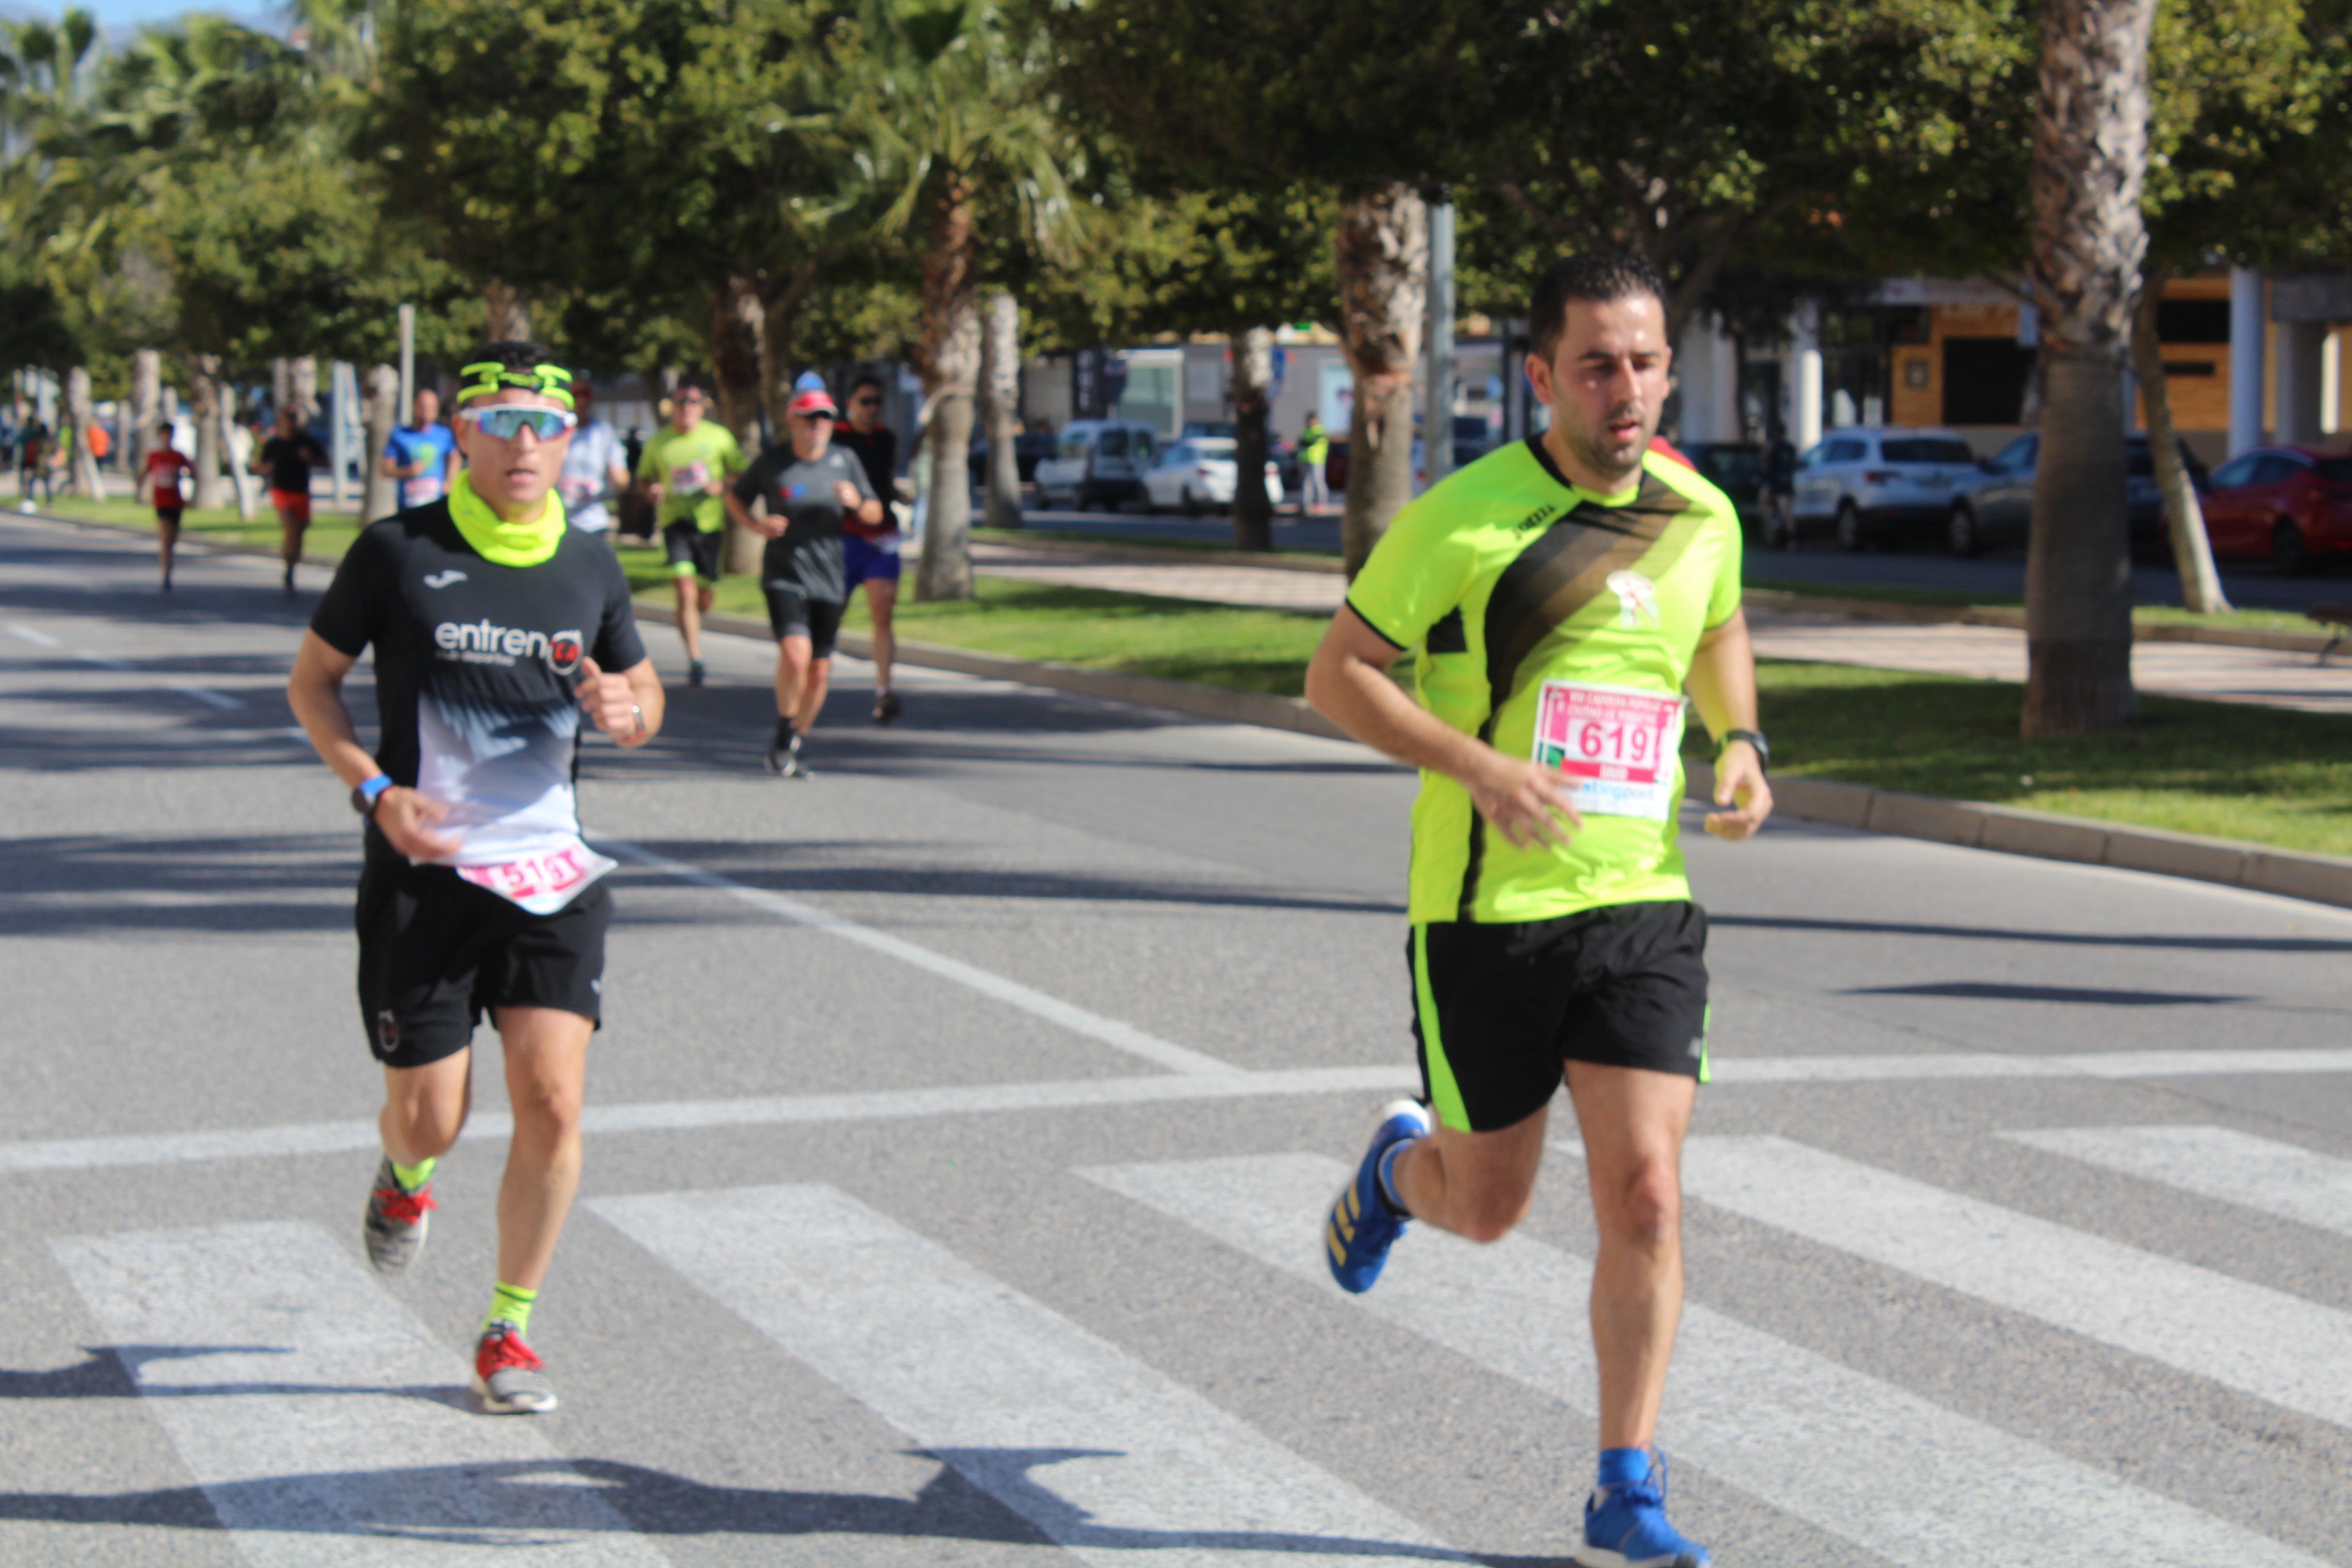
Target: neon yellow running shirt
(1522,596)
(683,462)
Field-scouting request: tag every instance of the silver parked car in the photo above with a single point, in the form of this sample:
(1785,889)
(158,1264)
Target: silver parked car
(1871,485)
(1097,462)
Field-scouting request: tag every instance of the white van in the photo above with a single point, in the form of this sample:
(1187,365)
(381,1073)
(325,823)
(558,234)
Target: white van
(1097,463)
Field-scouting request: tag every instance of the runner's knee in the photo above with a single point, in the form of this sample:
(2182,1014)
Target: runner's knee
(1644,1205)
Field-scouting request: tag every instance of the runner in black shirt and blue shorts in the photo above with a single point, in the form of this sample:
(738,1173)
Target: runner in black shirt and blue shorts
(810,486)
(496,629)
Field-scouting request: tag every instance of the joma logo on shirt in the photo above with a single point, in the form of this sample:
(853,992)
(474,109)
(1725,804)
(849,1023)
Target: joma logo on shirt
(487,640)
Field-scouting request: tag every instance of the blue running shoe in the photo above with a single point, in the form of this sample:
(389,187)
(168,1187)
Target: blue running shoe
(1625,1526)
(1363,1224)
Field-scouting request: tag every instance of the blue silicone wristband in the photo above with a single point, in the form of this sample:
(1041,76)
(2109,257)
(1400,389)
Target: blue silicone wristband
(371,788)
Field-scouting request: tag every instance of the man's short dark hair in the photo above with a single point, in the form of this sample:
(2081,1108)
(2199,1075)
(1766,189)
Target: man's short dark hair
(867,378)
(515,354)
(1595,276)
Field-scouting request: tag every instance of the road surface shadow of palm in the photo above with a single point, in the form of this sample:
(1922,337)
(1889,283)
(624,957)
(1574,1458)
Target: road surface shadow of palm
(757,865)
(2052,938)
(2085,996)
(979,1494)
(112,1372)
(94,883)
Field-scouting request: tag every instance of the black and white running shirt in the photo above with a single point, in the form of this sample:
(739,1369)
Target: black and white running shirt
(475,666)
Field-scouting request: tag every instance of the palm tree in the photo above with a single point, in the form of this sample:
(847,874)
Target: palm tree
(958,113)
(2090,159)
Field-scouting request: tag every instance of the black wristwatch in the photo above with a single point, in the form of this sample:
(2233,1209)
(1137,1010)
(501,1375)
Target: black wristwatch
(368,791)
(1754,738)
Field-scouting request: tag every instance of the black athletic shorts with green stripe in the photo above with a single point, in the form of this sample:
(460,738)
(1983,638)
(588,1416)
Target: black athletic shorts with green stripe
(1499,1010)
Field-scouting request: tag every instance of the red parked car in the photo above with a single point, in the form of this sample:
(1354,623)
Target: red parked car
(2286,505)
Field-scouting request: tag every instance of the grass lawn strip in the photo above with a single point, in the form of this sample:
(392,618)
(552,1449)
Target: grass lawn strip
(2263,775)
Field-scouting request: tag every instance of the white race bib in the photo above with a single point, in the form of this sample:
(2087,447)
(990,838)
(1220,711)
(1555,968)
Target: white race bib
(689,477)
(1617,744)
(422,492)
(542,884)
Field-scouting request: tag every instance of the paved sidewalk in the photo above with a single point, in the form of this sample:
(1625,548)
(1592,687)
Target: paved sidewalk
(1993,653)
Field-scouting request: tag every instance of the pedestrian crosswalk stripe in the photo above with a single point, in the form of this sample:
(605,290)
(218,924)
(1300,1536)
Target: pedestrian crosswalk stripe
(2284,1179)
(1854,1456)
(322,1421)
(1097,1450)
(2293,1352)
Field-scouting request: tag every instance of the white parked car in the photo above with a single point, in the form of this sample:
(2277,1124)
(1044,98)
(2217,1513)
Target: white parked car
(1197,474)
(1869,485)
(1097,462)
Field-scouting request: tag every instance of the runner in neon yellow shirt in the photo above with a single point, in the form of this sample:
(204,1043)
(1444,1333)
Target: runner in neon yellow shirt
(685,470)
(1560,596)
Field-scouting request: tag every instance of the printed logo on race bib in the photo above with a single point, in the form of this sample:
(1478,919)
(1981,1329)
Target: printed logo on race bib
(1636,596)
(1619,745)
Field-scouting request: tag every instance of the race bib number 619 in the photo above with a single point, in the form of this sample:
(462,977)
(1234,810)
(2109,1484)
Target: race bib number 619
(1619,745)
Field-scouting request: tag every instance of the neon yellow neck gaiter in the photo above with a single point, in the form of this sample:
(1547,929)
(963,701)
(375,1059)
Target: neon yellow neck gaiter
(501,542)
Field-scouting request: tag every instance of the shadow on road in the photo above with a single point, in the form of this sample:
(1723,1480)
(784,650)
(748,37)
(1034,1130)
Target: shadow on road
(516,1504)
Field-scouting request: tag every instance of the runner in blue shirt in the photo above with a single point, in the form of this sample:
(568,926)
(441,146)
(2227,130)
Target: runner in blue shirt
(418,454)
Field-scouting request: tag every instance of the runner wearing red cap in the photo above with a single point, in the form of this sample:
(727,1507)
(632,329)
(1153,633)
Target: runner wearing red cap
(808,488)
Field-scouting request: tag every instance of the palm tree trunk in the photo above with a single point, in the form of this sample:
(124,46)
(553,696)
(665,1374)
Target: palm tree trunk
(204,410)
(999,376)
(1253,393)
(2090,155)
(302,384)
(947,357)
(381,497)
(506,313)
(146,409)
(1384,266)
(737,323)
(780,314)
(2184,520)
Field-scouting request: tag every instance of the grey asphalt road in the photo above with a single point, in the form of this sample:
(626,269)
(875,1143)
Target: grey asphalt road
(959,1129)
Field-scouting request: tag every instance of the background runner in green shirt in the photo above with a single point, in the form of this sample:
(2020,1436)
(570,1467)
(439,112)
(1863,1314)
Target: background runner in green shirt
(685,470)
(1560,596)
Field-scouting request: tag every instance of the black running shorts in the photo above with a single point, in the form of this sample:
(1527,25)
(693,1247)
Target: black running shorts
(690,547)
(792,614)
(1500,1010)
(436,953)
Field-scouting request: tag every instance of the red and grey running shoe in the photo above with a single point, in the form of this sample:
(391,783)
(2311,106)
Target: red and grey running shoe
(395,1221)
(508,1375)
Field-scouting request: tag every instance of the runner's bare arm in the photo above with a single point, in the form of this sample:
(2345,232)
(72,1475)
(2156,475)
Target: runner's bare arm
(315,693)
(1347,683)
(773,527)
(614,703)
(864,507)
(1722,685)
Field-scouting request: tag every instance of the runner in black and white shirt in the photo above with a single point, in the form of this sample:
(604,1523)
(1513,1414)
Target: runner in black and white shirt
(810,488)
(496,630)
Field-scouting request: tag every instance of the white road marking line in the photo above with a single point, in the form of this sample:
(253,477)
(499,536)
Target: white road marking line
(671,1116)
(1860,1458)
(2112,1065)
(1077,1020)
(972,1099)
(209,698)
(1101,1453)
(104,663)
(2274,1346)
(38,638)
(325,1425)
(2219,1163)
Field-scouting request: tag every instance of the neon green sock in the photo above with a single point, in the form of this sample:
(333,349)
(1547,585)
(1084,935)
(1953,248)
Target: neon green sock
(510,1304)
(412,1177)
